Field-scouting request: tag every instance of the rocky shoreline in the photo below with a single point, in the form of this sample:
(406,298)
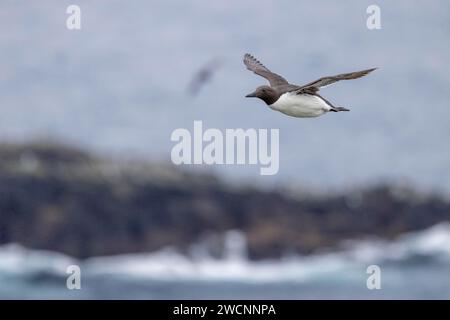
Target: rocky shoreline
(63,199)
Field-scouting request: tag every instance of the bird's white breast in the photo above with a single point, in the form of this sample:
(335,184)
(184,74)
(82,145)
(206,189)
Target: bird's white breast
(300,105)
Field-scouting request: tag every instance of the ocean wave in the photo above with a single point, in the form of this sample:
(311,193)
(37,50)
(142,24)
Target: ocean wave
(169,264)
(430,244)
(18,260)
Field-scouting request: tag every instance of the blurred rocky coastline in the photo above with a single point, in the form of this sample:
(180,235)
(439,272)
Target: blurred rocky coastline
(60,198)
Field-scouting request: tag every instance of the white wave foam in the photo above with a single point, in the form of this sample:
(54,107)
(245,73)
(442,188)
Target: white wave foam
(170,265)
(433,242)
(15,259)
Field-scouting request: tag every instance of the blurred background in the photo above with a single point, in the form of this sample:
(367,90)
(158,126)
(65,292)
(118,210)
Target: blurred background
(86,176)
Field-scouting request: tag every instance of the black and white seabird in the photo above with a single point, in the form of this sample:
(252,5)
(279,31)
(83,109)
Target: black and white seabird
(204,75)
(293,100)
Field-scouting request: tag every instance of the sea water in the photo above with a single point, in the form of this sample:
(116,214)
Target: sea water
(415,266)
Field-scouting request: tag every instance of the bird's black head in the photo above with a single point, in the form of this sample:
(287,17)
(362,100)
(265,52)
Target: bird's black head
(265,93)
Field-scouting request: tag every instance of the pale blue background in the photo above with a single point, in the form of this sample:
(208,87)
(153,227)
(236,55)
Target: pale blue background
(118,86)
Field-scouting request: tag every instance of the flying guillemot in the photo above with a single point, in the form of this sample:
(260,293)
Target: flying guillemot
(293,100)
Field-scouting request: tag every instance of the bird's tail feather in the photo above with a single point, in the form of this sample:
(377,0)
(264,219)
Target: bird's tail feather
(337,109)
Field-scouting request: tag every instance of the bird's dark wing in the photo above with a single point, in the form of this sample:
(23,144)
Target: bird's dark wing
(326,81)
(258,68)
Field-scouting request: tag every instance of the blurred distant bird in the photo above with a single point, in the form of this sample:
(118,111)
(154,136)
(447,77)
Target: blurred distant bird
(293,100)
(203,76)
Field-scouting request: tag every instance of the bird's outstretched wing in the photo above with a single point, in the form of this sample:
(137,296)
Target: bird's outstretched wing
(258,68)
(326,81)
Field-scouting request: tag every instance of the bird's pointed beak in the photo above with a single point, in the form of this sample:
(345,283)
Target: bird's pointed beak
(251,95)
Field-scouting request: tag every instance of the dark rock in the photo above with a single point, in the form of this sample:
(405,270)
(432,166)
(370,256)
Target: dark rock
(58,198)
